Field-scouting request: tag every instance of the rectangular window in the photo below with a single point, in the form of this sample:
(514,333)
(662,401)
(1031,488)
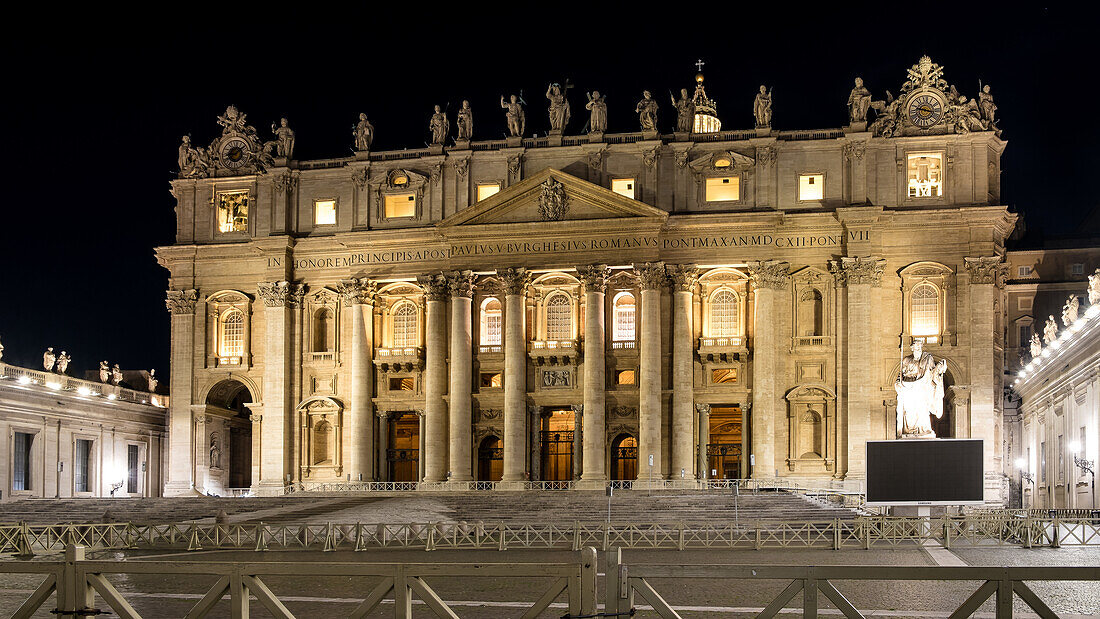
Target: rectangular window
(724,375)
(925,174)
(484,190)
(811,187)
(400,205)
(723,189)
(492,380)
(324,212)
(1077,269)
(81,466)
(1023,271)
(233,211)
(623,187)
(1025,334)
(132,455)
(625,377)
(21,474)
(406,383)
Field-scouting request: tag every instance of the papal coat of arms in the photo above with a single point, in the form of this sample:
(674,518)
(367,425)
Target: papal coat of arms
(553,203)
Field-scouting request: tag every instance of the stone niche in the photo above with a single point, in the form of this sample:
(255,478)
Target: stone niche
(811,429)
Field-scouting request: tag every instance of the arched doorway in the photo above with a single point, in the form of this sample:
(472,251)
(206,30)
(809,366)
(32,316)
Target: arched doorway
(227,442)
(556,437)
(403,455)
(490,459)
(624,457)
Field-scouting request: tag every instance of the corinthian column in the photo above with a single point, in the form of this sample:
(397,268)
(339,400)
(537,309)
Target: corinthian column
(461,285)
(435,377)
(358,298)
(593,425)
(650,435)
(515,373)
(277,425)
(771,282)
(180,436)
(683,278)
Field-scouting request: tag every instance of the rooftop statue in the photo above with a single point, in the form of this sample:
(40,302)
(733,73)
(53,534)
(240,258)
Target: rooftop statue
(49,359)
(364,133)
(920,392)
(559,107)
(63,362)
(1094,288)
(1071,310)
(234,121)
(685,111)
(104,372)
(1050,330)
(284,136)
(988,108)
(597,112)
(762,108)
(193,162)
(116,374)
(1,351)
(465,121)
(1036,346)
(647,112)
(439,126)
(859,100)
(517,121)
(153,382)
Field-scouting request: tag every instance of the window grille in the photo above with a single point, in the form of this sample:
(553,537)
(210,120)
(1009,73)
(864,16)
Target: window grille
(925,311)
(490,323)
(624,318)
(559,318)
(404,326)
(232,341)
(723,315)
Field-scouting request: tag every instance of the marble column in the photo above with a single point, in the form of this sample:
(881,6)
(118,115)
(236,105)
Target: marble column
(704,439)
(593,427)
(515,282)
(383,445)
(434,454)
(683,277)
(652,278)
(771,282)
(461,285)
(985,273)
(181,463)
(358,299)
(277,427)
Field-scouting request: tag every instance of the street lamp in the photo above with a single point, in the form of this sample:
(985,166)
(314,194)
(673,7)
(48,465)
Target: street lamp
(1086,467)
(1025,476)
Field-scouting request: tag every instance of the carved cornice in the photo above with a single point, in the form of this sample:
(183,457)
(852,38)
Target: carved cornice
(435,286)
(461,283)
(281,293)
(984,269)
(682,276)
(181,301)
(651,275)
(774,274)
(594,277)
(514,280)
(357,291)
(858,270)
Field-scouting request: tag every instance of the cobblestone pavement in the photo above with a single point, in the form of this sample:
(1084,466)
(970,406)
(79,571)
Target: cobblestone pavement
(159,596)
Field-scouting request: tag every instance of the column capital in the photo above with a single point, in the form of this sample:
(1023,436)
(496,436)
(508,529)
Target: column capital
(594,277)
(651,275)
(986,270)
(514,279)
(704,409)
(856,270)
(682,276)
(281,293)
(461,283)
(435,286)
(578,409)
(357,291)
(774,274)
(181,301)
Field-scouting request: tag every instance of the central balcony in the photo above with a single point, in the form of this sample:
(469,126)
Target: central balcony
(722,349)
(554,352)
(404,359)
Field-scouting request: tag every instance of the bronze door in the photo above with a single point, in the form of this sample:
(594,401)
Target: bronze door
(403,456)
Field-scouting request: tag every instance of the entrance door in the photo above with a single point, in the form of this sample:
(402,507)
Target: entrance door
(240,456)
(403,454)
(557,444)
(490,459)
(724,448)
(624,457)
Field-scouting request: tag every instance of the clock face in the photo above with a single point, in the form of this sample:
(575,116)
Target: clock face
(925,110)
(234,153)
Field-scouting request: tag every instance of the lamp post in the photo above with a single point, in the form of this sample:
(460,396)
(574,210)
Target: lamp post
(1025,475)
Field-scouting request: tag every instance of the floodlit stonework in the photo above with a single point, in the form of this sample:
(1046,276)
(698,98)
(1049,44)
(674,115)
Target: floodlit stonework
(737,308)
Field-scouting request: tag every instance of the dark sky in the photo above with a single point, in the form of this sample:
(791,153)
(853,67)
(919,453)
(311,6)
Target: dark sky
(94,108)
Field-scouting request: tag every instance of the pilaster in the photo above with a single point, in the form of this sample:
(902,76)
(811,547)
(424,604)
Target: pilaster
(594,452)
(984,273)
(435,377)
(181,481)
(276,429)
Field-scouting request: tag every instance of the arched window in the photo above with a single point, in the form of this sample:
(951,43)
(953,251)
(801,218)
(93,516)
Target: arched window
(490,322)
(324,330)
(404,325)
(559,318)
(924,311)
(624,317)
(322,433)
(810,314)
(724,319)
(231,342)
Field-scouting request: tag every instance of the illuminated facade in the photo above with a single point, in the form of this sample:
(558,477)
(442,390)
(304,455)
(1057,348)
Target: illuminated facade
(574,308)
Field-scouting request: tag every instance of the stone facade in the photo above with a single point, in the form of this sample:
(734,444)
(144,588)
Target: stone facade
(727,304)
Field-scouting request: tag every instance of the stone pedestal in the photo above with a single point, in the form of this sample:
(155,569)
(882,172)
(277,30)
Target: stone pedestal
(681,136)
(513,141)
(554,139)
(650,135)
(515,375)
(461,285)
(435,149)
(362,155)
(650,426)
(462,144)
(595,136)
(856,127)
(763,131)
(594,425)
(434,455)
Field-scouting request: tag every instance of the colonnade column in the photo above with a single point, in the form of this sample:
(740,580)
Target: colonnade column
(461,284)
(434,454)
(704,439)
(683,277)
(652,278)
(984,273)
(593,424)
(770,279)
(515,373)
(277,425)
(358,298)
(181,461)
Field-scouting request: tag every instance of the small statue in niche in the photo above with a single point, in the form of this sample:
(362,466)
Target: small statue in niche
(762,108)
(284,135)
(1036,346)
(647,112)
(559,107)
(215,452)
(153,382)
(517,120)
(63,362)
(1050,330)
(364,133)
(104,372)
(1070,311)
(116,374)
(465,121)
(439,126)
(49,359)
(597,112)
(859,100)
(685,111)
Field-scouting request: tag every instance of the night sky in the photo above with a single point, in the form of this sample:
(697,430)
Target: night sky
(94,110)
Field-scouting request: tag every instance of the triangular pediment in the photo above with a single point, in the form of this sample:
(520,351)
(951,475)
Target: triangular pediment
(550,196)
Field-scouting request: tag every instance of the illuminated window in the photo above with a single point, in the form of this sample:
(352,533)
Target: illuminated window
(723,376)
(723,189)
(492,380)
(623,187)
(559,318)
(404,383)
(724,314)
(399,180)
(484,190)
(405,325)
(233,211)
(625,377)
(811,187)
(231,342)
(721,162)
(400,205)
(925,173)
(324,212)
(490,322)
(924,311)
(624,317)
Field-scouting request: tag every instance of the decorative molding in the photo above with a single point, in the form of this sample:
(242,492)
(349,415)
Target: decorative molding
(649,157)
(854,150)
(594,277)
(766,155)
(682,276)
(461,166)
(774,274)
(357,291)
(624,412)
(858,270)
(984,269)
(181,301)
(360,177)
(682,159)
(553,202)
(461,283)
(514,280)
(435,286)
(281,293)
(651,275)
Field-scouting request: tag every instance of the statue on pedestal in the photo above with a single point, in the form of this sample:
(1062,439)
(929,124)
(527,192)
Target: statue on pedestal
(49,359)
(439,126)
(559,107)
(284,135)
(1070,311)
(116,374)
(104,372)
(685,111)
(920,392)
(762,108)
(647,112)
(859,100)
(63,362)
(1036,346)
(988,108)
(1050,330)
(597,116)
(465,121)
(1094,288)
(364,133)
(517,121)
(153,382)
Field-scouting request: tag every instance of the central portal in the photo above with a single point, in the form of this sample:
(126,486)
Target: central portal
(403,455)
(556,436)
(726,444)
